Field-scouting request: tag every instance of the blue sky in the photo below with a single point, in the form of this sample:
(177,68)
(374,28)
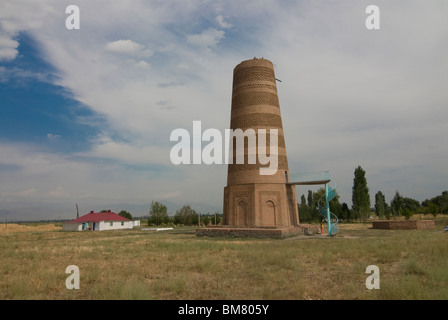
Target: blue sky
(86,115)
(35,110)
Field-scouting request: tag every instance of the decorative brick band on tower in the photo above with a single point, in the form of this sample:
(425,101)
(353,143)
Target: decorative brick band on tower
(251,199)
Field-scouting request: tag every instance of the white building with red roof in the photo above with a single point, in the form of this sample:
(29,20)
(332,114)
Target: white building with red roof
(98,221)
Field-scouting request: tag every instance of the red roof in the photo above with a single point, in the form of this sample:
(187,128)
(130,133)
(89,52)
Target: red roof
(99,216)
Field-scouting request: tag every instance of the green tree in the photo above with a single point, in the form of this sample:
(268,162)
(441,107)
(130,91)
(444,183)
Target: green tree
(157,213)
(205,219)
(303,200)
(345,211)
(441,201)
(380,204)
(336,207)
(316,215)
(407,213)
(387,211)
(360,194)
(215,218)
(397,205)
(303,210)
(410,206)
(185,216)
(308,213)
(315,197)
(433,209)
(196,217)
(311,199)
(125,214)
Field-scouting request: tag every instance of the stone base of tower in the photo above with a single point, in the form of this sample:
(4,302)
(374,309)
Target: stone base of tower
(260,205)
(258,232)
(259,210)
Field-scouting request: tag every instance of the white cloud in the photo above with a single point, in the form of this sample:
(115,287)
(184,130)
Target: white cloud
(8,195)
(58,192)
(127,153)
(124,46)
(53,137)
(142,64)
(168,195)
(207,38)
(222,23)
(8,48)
(183,65)
(128,47)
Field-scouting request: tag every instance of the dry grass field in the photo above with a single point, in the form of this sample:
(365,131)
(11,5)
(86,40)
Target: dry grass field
(14,227)
(137,264)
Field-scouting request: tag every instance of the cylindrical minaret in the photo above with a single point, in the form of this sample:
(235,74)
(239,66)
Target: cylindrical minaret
(250,198)
(255,106)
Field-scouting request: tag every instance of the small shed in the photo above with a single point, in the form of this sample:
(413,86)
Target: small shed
(98,221)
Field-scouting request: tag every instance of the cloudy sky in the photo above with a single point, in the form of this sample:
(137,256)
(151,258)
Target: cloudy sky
(86,114)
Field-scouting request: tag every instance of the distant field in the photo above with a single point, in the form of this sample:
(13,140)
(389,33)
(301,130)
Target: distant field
(136,264)
(36,227)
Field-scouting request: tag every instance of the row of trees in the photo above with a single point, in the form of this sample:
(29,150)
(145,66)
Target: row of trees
(308,207)
(361,209)
(158,215)
(404,206)
(360,197)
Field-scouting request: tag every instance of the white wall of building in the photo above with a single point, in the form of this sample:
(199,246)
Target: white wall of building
(99,226)
(66,226)
(116,225)
(136,223)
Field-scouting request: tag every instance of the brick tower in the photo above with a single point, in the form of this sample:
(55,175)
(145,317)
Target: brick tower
(251,199)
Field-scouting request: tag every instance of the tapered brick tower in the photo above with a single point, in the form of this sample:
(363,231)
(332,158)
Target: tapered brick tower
(251,199)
